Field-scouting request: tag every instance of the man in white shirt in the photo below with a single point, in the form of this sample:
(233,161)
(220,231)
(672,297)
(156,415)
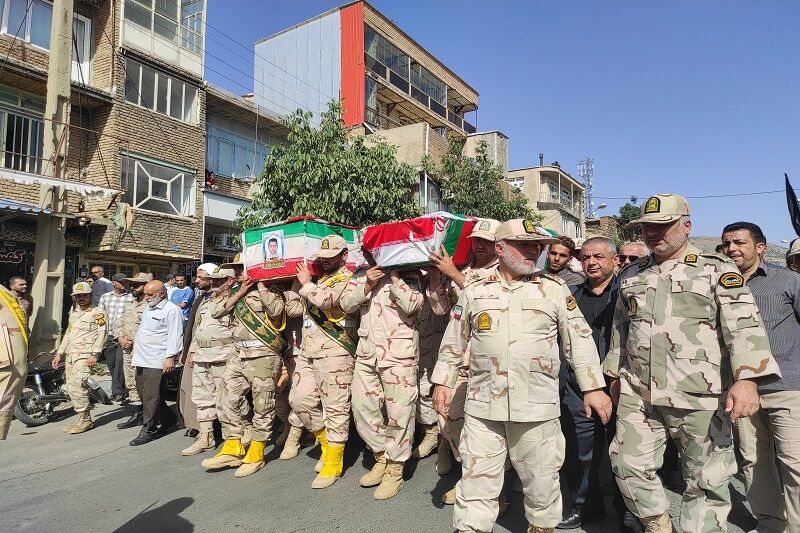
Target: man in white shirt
(156,347)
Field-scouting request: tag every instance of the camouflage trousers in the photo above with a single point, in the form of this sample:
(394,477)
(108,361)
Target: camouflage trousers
(536,450)
(451,426)
(425,413)
(242,375)
(283,409)
(705,445)
(206,389)
(130,377)
(393,389)
(12,381)
(76,372)
(320,395)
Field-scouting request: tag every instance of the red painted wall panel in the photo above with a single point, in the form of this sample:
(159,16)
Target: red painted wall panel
(353,73)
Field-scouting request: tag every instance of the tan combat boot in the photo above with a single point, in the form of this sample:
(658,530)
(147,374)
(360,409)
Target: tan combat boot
(428,443)
(204,441)
(375,476)
(444,458)
(449,497)
(230,455)
(658,524)
(292,447)
(84,423)
(253,461)
(392,481)
(536,529)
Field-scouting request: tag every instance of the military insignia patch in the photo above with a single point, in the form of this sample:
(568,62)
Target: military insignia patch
(100,320)
(484,321)
(325,245)
(456,315)
(492,278)
(653,205)
(571,303)
(484,226)
(529,226)
(80,287)
(731,280)
(691,258)
(633,307)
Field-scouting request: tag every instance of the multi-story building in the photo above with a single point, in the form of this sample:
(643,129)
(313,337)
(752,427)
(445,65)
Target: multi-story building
(555,195)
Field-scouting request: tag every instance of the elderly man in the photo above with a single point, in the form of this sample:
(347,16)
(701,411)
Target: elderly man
(157,345)
(630,252)
(687,352)
(13,355)
(770,436)
(113,303)
(512,316)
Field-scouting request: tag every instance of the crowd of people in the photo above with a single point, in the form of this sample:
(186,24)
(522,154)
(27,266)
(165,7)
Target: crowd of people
(606,358)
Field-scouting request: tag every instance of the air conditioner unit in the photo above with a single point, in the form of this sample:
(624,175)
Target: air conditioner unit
(225,241)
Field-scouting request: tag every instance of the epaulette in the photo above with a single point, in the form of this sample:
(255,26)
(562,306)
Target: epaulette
(480,275)
(551,277)
(718,257)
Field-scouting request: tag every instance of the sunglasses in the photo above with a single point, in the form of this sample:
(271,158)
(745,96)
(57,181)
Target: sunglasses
(624,258)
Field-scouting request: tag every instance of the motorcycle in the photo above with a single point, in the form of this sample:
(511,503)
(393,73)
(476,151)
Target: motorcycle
(45,388)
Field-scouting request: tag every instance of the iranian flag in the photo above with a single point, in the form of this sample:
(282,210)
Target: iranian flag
(274,251)
(410,242)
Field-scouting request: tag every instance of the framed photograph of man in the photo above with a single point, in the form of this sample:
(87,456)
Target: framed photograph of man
(273,246)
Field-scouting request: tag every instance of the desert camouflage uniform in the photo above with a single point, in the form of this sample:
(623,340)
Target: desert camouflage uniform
(293,333)
(13,356)
(433,319)
(386,362)
(512,405)
(126,326)
(85,337)
(323,373)
(684,330)
(213,346)
(253,367)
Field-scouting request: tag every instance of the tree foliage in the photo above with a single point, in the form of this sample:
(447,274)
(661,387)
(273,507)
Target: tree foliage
(321,172)
(471,185)
(627,213)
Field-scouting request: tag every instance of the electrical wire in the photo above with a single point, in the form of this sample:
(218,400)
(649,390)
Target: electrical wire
(696,196)
(16,35)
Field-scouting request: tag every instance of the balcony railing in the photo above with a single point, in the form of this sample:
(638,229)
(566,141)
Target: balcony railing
(382,122)
(404,86)
(549,201)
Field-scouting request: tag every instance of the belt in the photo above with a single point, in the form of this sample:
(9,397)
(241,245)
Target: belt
(254,343)
(214,344)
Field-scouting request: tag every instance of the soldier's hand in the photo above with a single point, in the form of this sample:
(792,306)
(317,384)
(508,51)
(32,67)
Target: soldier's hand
(91,361)
(599,402)
(444,263)
(373,275)
(190,360)
(614,389)
(394,274)
(442,395)
(303,273)
(169,365)
(57,361)
(245,284)
(743,399)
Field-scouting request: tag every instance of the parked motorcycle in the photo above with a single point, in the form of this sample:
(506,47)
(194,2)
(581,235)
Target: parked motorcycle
(45,388)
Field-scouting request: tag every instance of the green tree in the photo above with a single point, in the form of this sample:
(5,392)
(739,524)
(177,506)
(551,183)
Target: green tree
(471,185)
(627,213)
(321,172)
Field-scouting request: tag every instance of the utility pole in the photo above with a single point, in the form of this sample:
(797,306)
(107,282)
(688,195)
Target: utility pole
(48,278)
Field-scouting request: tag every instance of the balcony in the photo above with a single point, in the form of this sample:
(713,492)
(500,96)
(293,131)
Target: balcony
(554,202)
(404,86)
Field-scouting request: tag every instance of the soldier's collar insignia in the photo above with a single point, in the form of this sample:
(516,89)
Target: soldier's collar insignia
(653,205)
(731,280)
(492,277)
(529,226)
(457,312)
(633,307)
(571,303)
(484,321)
(325,245)
(690,258)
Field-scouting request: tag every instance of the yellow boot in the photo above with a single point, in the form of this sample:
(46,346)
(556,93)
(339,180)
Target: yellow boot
(230,455)
(332,469)
(254,460)
(322,438)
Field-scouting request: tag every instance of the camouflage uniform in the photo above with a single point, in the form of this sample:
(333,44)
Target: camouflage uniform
(320,393)
(85,337)
(252,367)
(386,362)
(433,319)
(13,355)
(684,330)
(512,402)
(126,326)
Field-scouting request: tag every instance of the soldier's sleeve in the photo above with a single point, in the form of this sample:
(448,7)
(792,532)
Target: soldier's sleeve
(406,295)
(274,304)
(218,308)
(742,331)
(323,297)
(101,321)
(439,299)
(64,344)
(353,296)
(579,348)
(197,319)
(294,304)
(454,344)
(617,356)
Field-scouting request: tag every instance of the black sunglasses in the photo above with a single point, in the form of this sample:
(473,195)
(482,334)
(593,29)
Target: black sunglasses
(623,258)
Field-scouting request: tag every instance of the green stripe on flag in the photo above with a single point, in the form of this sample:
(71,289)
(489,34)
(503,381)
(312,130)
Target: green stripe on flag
(452,235)
(309,228)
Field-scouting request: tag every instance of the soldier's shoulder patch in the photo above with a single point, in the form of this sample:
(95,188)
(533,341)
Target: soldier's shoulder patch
(633,307)
(100,318)
(731,280)
(551,277)
(690,258)
(571,303)
(456,314)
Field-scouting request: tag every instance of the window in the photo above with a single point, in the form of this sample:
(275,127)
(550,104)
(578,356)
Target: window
(430,195)
(158,187)
(517,183)
(232,150)
(163,18)
(21,142)
(32,20)
(156,90)
(378,47)
(426,82)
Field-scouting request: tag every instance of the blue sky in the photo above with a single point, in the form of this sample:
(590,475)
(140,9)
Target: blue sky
(696,98)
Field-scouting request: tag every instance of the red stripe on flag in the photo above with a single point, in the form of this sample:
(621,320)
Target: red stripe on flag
(416,229)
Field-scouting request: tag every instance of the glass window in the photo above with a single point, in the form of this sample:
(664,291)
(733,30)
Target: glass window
(160,92)
(16,21)
(133,71)
(426,82)
(163,16)
(385,52)
(41,22)
(160,188)
(21,142)
(517,183)
(81,48)
(176,99)
(190,95)
(191,25)
(147,88)
(139,12)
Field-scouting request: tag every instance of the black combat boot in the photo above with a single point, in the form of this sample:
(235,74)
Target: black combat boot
(134,420)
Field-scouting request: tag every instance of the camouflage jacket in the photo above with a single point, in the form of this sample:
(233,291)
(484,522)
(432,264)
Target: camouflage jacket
(685,329)
(512,330)
(128,323)
(433,318)
(212,338)
(86,332)
(267,304)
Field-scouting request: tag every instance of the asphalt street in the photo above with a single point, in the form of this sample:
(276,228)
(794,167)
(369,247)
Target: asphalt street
(52,481)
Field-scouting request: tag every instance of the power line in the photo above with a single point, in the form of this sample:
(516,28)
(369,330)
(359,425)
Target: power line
(700,196)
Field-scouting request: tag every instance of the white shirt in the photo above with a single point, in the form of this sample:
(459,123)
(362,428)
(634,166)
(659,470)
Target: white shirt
(160,335)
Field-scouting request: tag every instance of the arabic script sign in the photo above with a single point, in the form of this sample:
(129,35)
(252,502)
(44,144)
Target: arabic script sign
(12,255)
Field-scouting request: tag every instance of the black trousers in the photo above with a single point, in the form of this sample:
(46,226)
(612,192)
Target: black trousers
(154,408)
(113,356)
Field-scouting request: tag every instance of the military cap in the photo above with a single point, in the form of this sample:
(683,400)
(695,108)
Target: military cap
(521,229)
(331,246)
(237,262)
(662,209)
(119,276)
(81,288)
(485,229)
(141,277)
(222,273)
(794,249)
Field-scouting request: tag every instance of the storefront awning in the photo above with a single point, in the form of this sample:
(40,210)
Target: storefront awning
(22,209)
(84,189)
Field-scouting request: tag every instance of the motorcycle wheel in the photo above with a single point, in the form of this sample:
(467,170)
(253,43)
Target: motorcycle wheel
(28,412)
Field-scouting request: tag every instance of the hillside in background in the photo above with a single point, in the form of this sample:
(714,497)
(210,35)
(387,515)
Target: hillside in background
(775,253)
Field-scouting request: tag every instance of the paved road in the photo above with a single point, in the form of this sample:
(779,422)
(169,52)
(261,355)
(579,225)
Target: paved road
(52,481)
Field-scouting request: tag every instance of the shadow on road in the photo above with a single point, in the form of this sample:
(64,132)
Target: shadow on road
(111,416)
(164,518)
